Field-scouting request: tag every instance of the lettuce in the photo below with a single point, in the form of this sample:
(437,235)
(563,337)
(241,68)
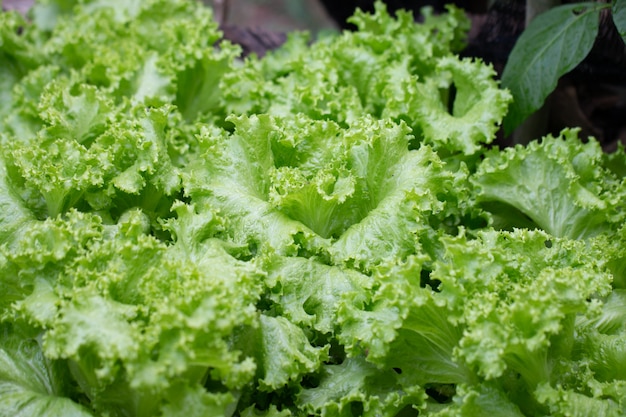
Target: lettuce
(583,195)
(320,232)
(389,69)
(358,201)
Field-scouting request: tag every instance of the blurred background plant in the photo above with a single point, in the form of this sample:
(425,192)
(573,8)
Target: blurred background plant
(277,15)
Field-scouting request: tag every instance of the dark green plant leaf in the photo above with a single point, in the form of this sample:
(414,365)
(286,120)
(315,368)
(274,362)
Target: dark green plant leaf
(619,17)
(552,45)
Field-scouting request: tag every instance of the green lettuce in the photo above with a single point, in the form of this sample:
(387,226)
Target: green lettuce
(320,232)
(390,69)
(562,185)
(352,195)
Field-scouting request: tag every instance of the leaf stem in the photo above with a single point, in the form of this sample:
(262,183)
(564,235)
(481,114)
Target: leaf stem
(536,7)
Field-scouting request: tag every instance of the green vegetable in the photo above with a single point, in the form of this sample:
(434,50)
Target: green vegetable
(319,232)
(561,185)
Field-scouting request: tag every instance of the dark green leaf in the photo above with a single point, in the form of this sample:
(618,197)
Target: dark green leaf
(552,45)
(619,17)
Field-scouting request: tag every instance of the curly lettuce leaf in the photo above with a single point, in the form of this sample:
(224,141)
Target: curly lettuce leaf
(503,308)
(281,350)
(310,293)
(518,298)
(611,245)
(605,353)
(402,324)
(13,211)
(357,388)
(35,259)
(100,123)
(272,411)
(562,401)
(466,120)
(186,400)
(390,68)
(186,234)
(486,399)
(115,48)
(355,195)
(20,52)
(610,320)
(129,157)
(98,292)
(559,183)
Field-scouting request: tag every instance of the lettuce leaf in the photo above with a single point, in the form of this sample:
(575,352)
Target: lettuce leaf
(352,195)
(319,232)
(389,69)
(348,389)
(30,383)
(103,312)
(560,184)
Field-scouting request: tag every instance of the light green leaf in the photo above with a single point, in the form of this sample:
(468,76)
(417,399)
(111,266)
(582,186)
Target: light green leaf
(552,44)
(423,349)
(516,300)
(358,388)
(483,400)
(281,350)
(271,412)
(30,383)
(13,213)
(558,183)
(463,125)
(612,318)
(562,401)
(402,326)
(310,292)
(184,400)
(606,355)
(36,255)
(287,353)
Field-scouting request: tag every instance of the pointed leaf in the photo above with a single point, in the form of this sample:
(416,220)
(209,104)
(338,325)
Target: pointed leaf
(619,17)
(553,44)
